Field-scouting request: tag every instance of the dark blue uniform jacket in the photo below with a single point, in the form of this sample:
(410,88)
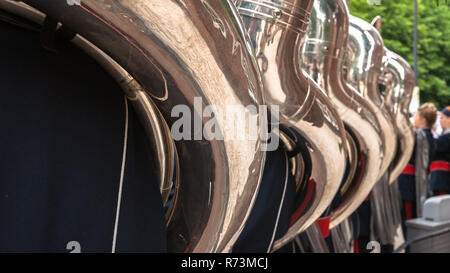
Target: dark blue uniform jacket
(61,146)
(407,182)
(440,174)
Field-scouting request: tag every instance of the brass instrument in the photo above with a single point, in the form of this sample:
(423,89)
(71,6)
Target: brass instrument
(365,55)
(366,58)
(166,53)
(400,81)
(323,58)
(277,29)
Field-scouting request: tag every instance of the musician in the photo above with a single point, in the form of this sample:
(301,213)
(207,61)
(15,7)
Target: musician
(423,121)
(440,166)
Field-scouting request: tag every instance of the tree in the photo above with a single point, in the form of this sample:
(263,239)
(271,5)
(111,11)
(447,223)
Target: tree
(434,44)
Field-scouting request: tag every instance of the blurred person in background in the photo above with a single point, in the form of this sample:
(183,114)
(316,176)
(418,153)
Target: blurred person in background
(423,122)
(440,166)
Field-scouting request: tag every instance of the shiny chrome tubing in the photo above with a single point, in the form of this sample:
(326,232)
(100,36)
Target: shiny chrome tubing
(176,51)
(277,29)
(323,58)
(400,84)
(365,56)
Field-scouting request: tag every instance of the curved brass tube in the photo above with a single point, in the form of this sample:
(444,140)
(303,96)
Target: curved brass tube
(366,50)
(276,29)
(399,91)
(177,51)
(156,129)
(323,58)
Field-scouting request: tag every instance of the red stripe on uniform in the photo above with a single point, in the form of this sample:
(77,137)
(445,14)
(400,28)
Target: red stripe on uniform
(409,169)
(324,225)
(408,210)
(440,166)
(356,246)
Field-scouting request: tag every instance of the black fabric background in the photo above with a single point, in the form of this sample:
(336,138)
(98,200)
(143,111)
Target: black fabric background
(258,231)
(61,142)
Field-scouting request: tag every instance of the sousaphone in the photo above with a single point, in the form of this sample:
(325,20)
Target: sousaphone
(323,58)
(168,53)
(312,125)
(365,56)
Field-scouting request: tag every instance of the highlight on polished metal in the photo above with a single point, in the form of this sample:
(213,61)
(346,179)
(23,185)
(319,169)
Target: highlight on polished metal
(242,123)
(277,29)
(399,80)
(165,53)
(323,58)
(365,56)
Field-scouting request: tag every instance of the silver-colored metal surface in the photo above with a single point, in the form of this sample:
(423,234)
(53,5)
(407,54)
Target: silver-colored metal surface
(342,237)
(396,201)
(323,58)
(312,241)
(276,29)
(175,51)
(157,131)
(385,206)
(399,80)
(421,164)
(365,56)
(382,219)
(156,128)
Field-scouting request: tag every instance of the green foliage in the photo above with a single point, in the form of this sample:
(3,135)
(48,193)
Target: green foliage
(434,40)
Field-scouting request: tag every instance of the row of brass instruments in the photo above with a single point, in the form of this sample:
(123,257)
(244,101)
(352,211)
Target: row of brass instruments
(322,67)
